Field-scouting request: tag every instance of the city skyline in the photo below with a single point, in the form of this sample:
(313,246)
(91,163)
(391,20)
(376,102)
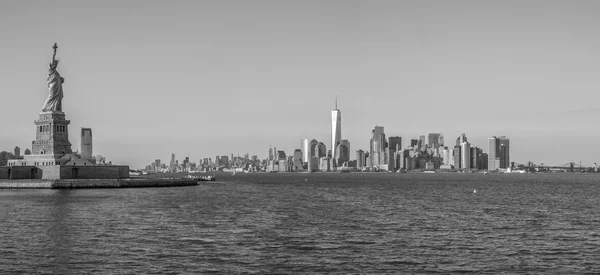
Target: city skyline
(207,88)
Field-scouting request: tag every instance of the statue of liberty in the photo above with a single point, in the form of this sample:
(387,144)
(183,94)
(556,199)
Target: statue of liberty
(55,81)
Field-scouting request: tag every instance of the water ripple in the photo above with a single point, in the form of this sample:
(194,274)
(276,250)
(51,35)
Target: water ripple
(310,223)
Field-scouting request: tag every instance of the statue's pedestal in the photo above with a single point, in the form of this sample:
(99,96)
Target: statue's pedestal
(52,135)
(48,150)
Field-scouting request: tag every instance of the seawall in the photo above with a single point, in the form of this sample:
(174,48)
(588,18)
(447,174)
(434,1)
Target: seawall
(95,183)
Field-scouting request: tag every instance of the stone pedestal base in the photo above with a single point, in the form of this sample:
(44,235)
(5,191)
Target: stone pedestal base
(52,135)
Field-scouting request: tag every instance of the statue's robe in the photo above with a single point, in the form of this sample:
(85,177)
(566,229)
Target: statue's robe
(55,95)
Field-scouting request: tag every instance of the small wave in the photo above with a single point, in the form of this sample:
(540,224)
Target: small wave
(197,240)
(360,242)
(328,246)
(404,262)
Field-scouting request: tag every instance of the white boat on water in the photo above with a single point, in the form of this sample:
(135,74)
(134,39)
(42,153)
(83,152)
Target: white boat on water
(515,171)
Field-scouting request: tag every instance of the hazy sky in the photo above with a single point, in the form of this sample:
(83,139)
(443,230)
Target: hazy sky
(201,78)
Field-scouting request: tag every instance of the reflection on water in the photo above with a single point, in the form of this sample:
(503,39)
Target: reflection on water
(280,223)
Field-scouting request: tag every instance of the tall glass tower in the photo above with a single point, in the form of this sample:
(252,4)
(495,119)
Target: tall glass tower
(498,153)
(336,129)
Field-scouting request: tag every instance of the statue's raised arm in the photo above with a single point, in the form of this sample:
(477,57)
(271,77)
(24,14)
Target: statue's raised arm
(54,55)
(55,91)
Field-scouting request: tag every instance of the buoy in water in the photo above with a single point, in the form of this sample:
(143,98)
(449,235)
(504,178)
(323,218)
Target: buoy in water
(474,191)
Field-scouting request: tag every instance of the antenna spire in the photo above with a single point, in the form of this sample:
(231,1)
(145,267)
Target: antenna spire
(336,102)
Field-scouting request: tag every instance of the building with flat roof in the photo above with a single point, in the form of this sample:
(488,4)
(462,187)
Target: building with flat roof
(308,150)
(433,140)
(498,153)
(17,152)
(378,147)
(394,146)
(305,148)
(446,156)
(281,155)
(465,153)
(297,161)
(422,142)
(360,159)
(86,143)
(414,142)
(224,161)
(156,165)
(320,150)
(457,157)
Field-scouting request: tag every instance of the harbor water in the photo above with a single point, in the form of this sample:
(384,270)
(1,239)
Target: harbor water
(310,223)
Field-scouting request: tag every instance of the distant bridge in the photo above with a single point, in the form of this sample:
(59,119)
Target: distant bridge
(568,167)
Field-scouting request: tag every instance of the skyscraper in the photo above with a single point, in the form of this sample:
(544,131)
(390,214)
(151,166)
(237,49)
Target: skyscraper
(465,163)
(156,165)
(433,140)
(474,158)
(446,156)
(360,159)
(346,143)
(320,150)
(281,156)
(305,148)
(86,143)
(422,143)
(343,153)
(17,152)
(311,149)
(186,164)
(308,149)
(395,145)
(298,162)
(441,140)
(401,156)
(414,142)
(462,138)
(336,129)
(172,165)
(498,153)
(377,147)
(224,161)
(457,157)
(504,152)
(482,161)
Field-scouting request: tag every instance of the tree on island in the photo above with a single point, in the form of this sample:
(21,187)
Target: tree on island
(5,156)
(100,159)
